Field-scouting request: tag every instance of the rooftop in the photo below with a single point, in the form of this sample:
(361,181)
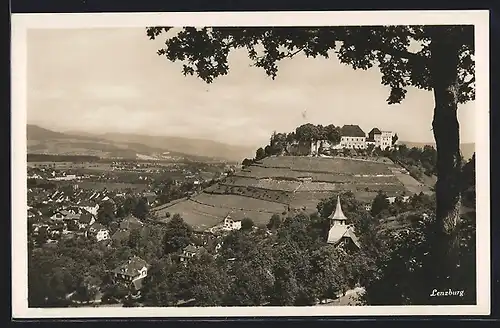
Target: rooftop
(352,131)
(97,226)
(338,215)
(86,218)
(337,232)
(130,221)
(132,267)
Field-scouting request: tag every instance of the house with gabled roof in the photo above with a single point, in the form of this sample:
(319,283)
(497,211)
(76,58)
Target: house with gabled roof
(378,138)
(88,206)
(352,137)
(85,220)
(120,236)
(99,232)
(131,272)
(131,222)
(340,233)
(191,251)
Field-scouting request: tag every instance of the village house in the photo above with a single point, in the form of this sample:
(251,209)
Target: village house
(391,200)
(120,236)
(191,251)
(43,222)
(85,220)
(99,232)
(230,224)
(341,234)
(59,215)
(131,222)
(57,229)
(150,197)
(131,272)
(89,207)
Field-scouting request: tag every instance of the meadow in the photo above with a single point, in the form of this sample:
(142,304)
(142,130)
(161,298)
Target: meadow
(276,185)
(203,216)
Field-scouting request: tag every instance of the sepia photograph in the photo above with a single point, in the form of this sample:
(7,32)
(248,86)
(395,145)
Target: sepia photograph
(249,164)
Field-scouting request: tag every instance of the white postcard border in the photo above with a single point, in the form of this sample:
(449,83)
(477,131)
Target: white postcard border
(22,22)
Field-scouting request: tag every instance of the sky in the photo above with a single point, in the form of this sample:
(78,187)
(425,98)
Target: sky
(112,80)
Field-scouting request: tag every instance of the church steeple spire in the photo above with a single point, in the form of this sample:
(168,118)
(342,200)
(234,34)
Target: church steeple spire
(338,216)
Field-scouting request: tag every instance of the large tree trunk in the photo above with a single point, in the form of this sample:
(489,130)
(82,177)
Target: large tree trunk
(444,74)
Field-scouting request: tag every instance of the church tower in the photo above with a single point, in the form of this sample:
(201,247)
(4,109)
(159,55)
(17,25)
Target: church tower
(337,217)
(338,227)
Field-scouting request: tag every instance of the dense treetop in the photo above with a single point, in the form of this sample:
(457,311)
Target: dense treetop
(402,53)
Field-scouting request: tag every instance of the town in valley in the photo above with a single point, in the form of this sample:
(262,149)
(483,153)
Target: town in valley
(107,231)
(305,176)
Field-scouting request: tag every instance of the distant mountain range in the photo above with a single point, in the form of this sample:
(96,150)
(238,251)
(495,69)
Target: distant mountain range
(467,149)
(135,146)
(130,146)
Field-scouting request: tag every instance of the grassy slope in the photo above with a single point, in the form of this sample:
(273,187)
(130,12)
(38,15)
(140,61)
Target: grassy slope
(246,195)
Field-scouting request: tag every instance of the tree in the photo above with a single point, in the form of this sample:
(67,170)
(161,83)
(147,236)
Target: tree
(268,150)
(379,204)
(128,206)
(307,132)
(332,133)
(444,64)
(274,222)
(395,139)
(178,234)
(277,143)
(251,276)
(134,238)
(370,148)
(141,209)
(247,162)
(106,213)
(260,154)
(206,281)
(247,224)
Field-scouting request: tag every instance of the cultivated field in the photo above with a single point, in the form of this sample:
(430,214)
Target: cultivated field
(325,165)
(236,202)
(412,185)
(277,196)
(203,216)
(276,183)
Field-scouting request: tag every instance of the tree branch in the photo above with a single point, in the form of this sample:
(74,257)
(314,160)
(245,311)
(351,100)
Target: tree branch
(402,54)
(292,54)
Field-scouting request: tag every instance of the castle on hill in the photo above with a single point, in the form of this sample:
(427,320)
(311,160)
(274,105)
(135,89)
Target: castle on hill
(353,137)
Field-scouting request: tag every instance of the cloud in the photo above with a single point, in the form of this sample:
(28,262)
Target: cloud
(111,80)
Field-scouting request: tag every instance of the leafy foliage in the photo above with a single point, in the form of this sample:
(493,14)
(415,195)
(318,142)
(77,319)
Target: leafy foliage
(204,51)
(178,235)
(247,224)
(106,213)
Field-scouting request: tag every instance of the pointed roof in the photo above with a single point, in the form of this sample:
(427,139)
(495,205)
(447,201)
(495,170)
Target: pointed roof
(338,215)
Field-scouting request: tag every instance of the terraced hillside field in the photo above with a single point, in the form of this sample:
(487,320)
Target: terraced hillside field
(204,212)
(279,184)
(325,165)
